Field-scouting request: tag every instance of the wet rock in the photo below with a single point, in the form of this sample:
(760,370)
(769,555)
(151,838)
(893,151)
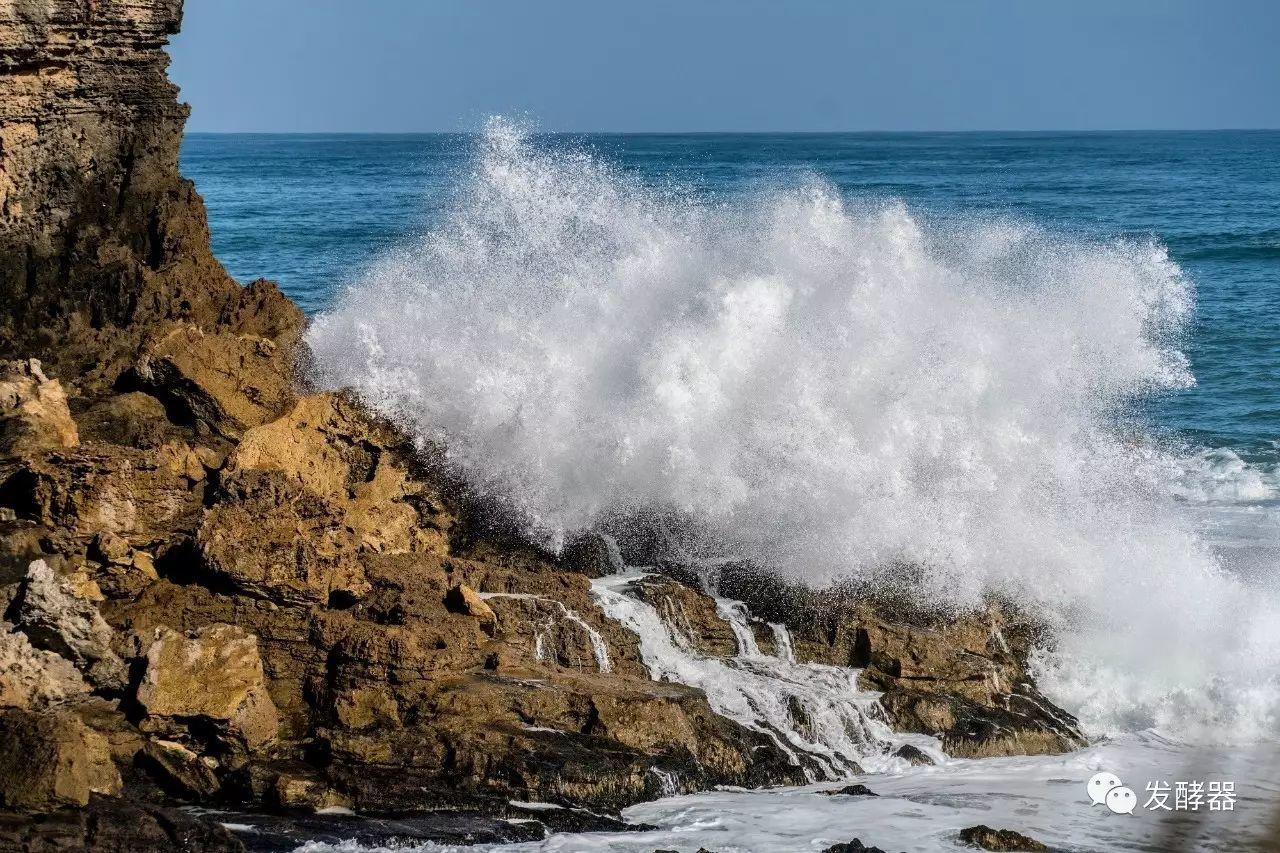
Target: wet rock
(212,677)
(690,614)
(60,614)
(114,825)
(960,677)
(32,678)
(913,755)
(851,791)
(999,839)
(52,759)
(854,846)
(33,410)
(592,555)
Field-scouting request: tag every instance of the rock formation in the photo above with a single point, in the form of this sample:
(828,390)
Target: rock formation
(218,589)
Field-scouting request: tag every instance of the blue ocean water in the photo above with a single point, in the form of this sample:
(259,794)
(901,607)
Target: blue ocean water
(313,211)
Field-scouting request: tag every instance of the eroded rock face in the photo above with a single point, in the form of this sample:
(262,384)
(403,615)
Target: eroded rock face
(102,243)
(33,410)
(31,678)
(52,759)
(60,614)
(960,677)
(211,677)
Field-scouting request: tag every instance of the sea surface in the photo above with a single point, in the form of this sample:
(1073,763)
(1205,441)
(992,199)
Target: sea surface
(1042,364)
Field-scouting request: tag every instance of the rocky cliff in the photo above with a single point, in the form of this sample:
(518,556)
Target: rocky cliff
(219,590)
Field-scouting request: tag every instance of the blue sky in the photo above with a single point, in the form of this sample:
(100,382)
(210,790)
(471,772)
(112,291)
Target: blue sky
(707,65)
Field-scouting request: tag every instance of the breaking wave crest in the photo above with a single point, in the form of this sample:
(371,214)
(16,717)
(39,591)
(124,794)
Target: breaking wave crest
(834,390)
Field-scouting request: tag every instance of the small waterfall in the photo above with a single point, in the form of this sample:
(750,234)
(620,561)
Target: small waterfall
(599,648)
(816,714)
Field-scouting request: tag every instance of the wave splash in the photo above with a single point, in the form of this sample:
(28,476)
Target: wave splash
(833,390)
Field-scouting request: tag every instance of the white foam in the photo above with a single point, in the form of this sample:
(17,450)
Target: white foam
(809,710)
(830,390)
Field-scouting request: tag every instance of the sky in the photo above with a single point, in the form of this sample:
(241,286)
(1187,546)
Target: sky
(729,65)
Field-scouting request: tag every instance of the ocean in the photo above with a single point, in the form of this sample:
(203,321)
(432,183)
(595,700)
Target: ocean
(1043,365)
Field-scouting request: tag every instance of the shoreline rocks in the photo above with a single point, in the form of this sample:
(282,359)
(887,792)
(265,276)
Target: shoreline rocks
(221,590)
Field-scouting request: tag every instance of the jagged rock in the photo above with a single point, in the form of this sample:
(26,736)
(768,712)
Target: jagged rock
(912,755)
(132,419)
(102,243)
(303,787)
(180,770)
(960,677)
(463,599)
(592,555)
(61,614)
(213,677)
(851,791)
(120,490)
(31,678)
(690,614)
(854,846)
(221,382)
(331,447)
(114,825)
(52,759)
(319,487)
(1000,839)
(33,410)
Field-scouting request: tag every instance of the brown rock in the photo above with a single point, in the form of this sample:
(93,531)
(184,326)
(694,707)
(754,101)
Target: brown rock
(180,770)
(213,676)
(133,419)
(33,410)
(102,242)
(222,382)
(464,599)
(31,678)
(999,839)
(317,489)
(114,825)
(52,759)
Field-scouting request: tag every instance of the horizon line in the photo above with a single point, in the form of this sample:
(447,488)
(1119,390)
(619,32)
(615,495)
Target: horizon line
(740,132)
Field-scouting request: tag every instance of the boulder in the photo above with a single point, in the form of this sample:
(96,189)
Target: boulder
(52,759)
(31,678)
(179,770)
(132,419)
(33,411)
(210,678)
(1000,839)
(316,490)
(218,381)
(463,599)
(60,614)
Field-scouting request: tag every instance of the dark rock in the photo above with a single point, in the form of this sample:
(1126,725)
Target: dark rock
(999,839)
(851,791)
(113,825)
(854,846)
(912,754)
